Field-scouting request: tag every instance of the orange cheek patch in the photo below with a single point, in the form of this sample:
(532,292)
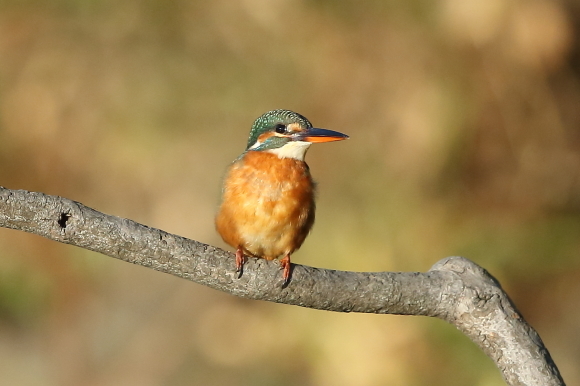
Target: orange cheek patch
(295,128)
(265,136)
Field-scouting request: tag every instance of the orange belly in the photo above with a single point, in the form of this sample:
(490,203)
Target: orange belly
(267,205)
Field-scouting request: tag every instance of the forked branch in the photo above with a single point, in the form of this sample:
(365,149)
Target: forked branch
(454,289)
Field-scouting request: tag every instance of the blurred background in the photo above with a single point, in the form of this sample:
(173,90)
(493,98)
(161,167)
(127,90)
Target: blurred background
(464,119)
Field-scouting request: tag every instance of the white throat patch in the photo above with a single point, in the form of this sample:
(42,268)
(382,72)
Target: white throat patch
(294,149)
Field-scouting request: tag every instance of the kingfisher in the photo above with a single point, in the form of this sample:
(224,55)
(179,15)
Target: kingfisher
(268,195)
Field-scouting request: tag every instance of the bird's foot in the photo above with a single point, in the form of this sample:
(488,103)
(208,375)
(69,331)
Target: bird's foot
(285,263)
(240,260)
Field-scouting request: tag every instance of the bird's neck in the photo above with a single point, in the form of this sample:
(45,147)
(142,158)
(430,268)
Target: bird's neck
(272,164)
(295,150)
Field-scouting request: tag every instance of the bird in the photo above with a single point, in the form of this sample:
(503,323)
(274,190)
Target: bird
(268,195)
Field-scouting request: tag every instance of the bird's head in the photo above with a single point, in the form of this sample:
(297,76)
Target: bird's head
(287,134)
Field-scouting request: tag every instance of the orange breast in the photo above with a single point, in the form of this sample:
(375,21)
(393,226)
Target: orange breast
(267,205)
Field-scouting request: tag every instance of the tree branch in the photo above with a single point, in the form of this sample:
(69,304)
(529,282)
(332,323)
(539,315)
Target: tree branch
(454,289)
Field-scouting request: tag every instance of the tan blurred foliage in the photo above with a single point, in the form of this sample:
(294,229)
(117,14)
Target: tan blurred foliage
(465,139)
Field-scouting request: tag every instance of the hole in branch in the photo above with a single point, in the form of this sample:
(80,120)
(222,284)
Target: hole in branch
(63,220)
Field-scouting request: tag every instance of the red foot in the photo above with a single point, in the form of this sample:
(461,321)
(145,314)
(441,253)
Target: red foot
(285,263)
(240,260)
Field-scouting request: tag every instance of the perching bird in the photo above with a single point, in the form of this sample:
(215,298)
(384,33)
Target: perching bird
(267,206)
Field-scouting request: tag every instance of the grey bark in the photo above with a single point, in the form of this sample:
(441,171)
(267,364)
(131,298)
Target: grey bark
(454,289)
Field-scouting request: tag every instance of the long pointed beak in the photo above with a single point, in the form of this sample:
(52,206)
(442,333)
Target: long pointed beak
(319,135)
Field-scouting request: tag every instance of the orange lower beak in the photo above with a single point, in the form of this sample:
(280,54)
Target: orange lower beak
(319,135)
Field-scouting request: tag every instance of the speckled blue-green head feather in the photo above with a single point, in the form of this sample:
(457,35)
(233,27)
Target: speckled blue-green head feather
(269,120)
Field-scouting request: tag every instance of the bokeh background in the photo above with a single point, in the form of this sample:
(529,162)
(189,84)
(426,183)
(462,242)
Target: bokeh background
(464,119)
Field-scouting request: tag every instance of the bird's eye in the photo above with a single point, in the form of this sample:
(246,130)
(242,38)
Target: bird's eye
(280,128)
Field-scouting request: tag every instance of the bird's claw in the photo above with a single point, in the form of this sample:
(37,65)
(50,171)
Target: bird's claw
(286,265)
(240,260)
